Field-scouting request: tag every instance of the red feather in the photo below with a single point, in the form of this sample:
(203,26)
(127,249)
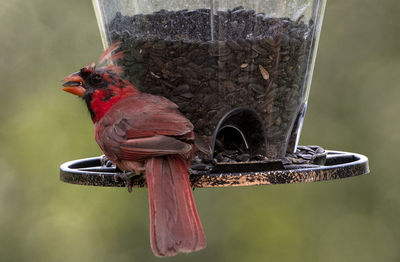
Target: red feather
(174,222)
(150,129)
(107,54)
(135,130)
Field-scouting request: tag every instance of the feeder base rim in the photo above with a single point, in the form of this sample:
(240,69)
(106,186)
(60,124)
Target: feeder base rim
(338,165)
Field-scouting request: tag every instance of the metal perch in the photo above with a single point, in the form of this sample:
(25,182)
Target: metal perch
(338,165)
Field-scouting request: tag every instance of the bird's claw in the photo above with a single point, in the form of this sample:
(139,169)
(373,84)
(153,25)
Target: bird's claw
(105,162)
(127,177)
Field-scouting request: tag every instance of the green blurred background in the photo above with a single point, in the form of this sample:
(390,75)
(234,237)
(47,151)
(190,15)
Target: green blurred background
(353,107)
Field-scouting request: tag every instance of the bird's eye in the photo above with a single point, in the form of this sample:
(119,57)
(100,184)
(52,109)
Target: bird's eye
(95,79)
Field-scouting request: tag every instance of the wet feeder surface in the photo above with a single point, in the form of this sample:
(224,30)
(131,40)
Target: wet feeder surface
(295,168)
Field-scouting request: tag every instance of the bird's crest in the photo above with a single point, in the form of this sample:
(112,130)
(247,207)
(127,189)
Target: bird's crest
(109,57)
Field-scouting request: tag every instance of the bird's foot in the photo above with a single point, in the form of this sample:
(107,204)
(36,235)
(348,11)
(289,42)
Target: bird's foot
(105,162)
(127,177)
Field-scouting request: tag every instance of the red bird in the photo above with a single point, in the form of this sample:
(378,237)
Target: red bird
(142,132)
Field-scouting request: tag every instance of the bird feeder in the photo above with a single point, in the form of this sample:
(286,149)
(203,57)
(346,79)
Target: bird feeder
(240,71)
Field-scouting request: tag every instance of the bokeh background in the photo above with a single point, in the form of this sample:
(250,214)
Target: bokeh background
(354,106)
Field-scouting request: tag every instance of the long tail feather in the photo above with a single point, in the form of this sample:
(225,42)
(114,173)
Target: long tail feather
(174,222)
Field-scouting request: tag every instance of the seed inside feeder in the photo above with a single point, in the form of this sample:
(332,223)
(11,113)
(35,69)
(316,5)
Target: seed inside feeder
(252,61)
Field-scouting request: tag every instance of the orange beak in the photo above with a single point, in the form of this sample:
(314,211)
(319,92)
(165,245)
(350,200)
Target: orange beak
(73,84)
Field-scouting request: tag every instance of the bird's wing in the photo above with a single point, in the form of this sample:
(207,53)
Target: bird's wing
(144,126)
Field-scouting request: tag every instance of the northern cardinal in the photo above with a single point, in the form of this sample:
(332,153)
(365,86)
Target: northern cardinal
(142,132)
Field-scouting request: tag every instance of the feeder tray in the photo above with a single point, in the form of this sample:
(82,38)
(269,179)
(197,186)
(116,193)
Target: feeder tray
(338,165)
